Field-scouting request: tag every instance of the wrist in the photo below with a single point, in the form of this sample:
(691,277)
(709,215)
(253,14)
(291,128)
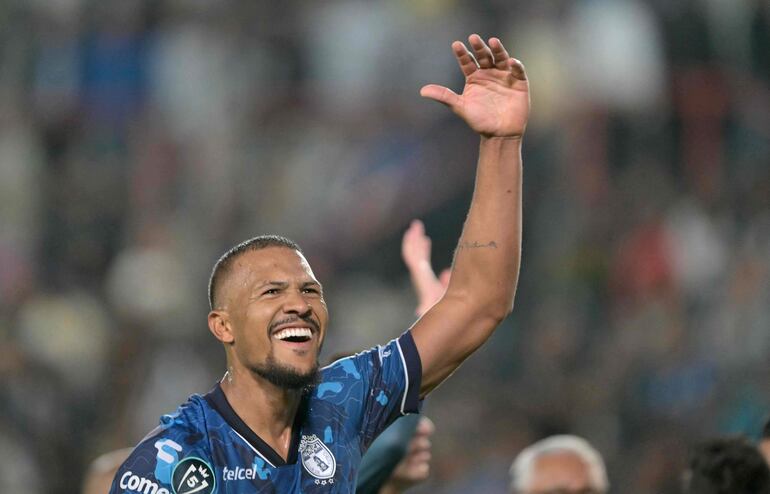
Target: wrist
(500,146)
(502,140)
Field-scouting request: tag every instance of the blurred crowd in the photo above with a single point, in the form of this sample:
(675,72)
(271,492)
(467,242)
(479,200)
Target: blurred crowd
(140,139)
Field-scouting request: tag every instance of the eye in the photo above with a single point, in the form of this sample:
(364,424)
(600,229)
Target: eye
(271,291)
(310,289)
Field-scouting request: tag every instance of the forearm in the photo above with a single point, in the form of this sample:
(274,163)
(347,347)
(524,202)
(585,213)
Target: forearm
(422,276)
(486,264)
(494,102)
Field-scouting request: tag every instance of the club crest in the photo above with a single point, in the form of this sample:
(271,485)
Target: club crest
(317,459)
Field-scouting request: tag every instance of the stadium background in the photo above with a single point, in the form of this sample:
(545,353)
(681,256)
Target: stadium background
(138,140)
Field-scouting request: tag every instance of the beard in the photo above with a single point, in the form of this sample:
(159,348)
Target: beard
(286,376)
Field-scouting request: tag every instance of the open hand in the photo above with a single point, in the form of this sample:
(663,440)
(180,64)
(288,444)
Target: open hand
(495,99)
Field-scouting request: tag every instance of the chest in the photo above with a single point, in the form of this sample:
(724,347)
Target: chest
(326,459)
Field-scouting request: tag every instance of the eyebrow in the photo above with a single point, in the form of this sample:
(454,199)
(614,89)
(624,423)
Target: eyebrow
(284,284)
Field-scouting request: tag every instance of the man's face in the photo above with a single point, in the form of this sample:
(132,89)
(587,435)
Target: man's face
(561,473)
(277,315)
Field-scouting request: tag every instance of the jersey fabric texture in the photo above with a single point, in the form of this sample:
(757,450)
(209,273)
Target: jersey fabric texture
(205,448)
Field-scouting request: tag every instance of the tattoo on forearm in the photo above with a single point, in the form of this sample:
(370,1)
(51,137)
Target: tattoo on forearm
(477,245)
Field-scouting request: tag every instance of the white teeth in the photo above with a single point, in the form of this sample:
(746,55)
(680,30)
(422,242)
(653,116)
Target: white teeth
(293,332)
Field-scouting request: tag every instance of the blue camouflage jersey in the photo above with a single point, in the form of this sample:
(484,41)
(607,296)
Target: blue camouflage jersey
(205,448)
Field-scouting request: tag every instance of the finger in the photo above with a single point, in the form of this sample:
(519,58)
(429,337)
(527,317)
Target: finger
(413,234)
(417,226)
(419,444)
(444,277)
(420,457)
(419,471)
(467,63)
(499,53)
(517,69)
(441,94)
(426,426)
(481,51)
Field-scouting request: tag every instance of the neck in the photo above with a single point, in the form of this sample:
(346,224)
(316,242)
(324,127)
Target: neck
(267,409)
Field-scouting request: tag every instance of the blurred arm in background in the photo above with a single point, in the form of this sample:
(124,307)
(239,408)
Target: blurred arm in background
(400,457)
(415,251)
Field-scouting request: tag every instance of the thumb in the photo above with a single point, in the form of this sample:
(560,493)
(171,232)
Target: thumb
(441,94)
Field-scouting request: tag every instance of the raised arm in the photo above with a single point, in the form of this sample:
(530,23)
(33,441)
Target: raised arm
(495,104)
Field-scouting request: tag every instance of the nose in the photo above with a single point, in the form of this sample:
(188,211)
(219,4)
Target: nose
(295,303)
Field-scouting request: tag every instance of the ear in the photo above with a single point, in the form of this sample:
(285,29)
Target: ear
(219,325)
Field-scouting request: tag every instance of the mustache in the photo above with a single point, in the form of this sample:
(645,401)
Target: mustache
(289,320)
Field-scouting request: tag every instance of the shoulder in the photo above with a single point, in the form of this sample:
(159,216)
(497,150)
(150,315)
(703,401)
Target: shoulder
(397,360)
(180,439)
(353,365)
(179,432)
(188,421)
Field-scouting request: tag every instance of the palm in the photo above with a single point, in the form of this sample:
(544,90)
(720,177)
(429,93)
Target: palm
(495,99)
(494,103)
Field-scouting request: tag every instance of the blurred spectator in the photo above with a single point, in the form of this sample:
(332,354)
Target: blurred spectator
(20,471)
(727,466)
(564,463)
(77,349)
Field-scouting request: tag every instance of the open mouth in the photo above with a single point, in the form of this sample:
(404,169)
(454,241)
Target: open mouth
(294,335)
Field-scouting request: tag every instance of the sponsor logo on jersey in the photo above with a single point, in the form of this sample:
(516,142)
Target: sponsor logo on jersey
(239,473)
(135,483)
(166,450)
(193,475)
(317,459)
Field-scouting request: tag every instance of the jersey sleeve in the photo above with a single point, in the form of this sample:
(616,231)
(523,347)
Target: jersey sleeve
(391,376)
(171,459)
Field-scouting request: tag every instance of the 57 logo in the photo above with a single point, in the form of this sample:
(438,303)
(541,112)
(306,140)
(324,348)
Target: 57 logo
(193,476)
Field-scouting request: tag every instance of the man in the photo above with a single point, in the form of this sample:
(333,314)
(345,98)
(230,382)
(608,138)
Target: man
(400,457)
(727,466)
(559,465)
(275,423)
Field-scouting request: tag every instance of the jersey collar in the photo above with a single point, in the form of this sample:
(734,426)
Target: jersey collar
(218,401)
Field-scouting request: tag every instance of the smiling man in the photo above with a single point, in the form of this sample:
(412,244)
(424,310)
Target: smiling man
(278,423)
